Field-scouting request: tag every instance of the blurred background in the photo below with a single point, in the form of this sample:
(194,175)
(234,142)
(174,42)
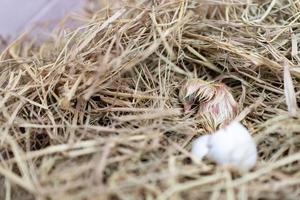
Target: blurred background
(18,15)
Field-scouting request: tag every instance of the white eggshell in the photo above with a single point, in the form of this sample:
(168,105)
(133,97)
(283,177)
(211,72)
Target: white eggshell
(231,146)
(200,146)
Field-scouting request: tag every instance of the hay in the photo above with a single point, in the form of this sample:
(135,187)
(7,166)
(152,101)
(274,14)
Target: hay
(93,113)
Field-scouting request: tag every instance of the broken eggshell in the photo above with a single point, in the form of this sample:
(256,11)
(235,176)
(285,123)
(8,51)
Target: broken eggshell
(231,146)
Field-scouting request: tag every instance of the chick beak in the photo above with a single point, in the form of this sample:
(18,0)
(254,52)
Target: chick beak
(187,107)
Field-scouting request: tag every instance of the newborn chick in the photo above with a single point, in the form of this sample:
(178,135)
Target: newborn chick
(214,101)
(231,146)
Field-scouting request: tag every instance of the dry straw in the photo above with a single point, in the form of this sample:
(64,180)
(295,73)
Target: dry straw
(94,113)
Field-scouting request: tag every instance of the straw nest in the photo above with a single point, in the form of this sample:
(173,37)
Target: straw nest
(93,113)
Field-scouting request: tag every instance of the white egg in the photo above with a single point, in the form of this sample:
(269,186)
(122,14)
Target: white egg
(230,146)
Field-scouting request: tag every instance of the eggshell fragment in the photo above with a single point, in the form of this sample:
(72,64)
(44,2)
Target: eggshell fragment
(230,146)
